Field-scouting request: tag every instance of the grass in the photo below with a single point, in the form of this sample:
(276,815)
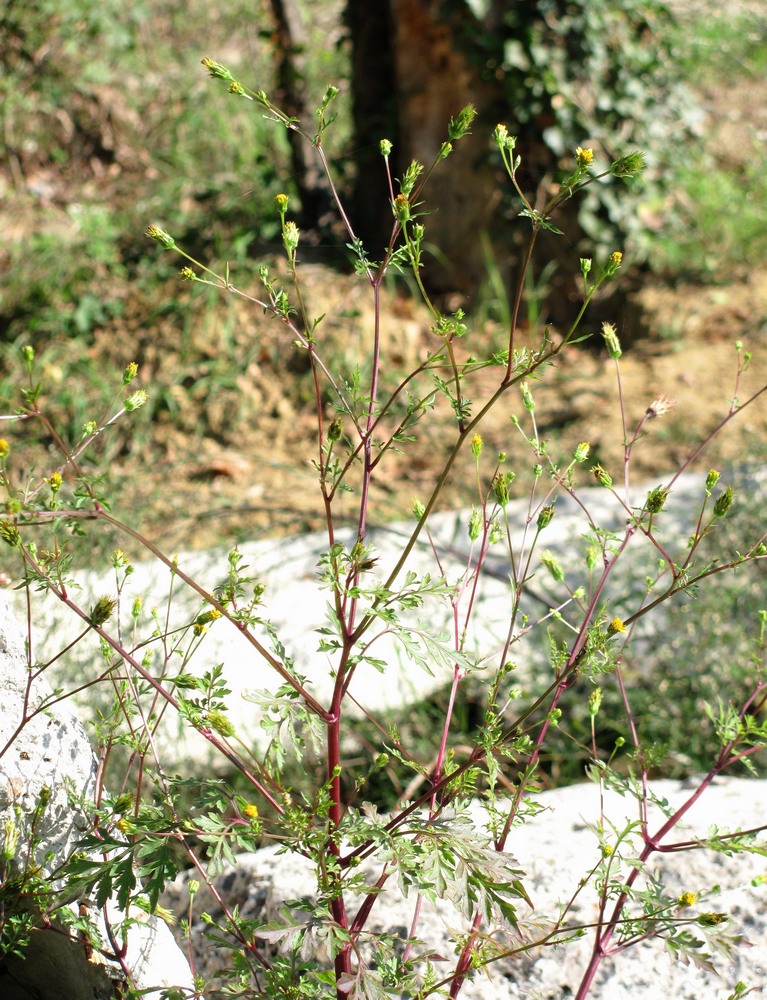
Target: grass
(718,223)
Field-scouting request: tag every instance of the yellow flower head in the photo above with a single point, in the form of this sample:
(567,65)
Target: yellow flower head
(585,157)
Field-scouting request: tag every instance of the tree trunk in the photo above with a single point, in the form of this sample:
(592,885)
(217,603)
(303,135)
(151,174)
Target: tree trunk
(409,77)
(290,49)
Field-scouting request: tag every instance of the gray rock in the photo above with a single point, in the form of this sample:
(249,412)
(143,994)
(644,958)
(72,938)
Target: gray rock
(557,847)
(296,606)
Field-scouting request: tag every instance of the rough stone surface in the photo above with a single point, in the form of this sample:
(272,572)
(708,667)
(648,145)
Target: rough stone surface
(557,848)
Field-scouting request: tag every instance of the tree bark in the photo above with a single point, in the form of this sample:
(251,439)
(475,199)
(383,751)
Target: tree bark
(291,43)
(409,77)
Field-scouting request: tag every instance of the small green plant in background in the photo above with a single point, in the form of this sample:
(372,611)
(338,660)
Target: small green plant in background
(429,843)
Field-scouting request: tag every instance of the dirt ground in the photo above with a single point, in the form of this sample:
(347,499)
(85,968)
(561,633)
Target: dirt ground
(235,461)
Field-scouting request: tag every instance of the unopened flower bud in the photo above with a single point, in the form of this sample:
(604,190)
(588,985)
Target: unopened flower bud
(581,453)
(724,502)
(595,700)
(460,125)
(656,500)
(545,516)
(102,610)
(219,723)
(549,560)
(601,476)
(386,147)
(336,429)
(527,397)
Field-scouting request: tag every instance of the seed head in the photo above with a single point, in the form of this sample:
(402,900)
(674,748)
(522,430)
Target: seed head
(611,341)
(159,235)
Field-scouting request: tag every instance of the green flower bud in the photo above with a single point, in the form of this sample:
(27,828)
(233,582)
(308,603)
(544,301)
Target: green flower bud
(712,919)
(602,477)
(595,700)
(336,429)
(500,487)
(219,723)
(656,500)
(102,610)
(724,502)
(9,533)
(460,125)
(711,480)
(386,147)
(550,562)
(418,509)
(545,516)
(282,203)
(130,373)
(527,397)
(475,524)
(581,453)
(410,177)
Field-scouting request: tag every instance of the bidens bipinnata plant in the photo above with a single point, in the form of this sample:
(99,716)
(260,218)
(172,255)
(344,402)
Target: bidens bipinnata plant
(432,844)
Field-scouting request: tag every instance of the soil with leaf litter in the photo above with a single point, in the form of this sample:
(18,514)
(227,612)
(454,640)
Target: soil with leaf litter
(227,455)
